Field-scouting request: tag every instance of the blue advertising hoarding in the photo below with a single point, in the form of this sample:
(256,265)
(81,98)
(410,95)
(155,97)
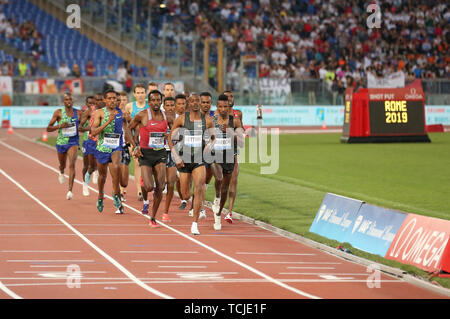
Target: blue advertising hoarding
(335,216)
(365,227)
(374,229)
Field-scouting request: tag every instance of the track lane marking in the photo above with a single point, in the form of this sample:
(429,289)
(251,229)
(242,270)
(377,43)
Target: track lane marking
(215,251)
(86,240)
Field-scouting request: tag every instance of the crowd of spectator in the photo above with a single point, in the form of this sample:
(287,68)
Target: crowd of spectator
(329,40)
(324,39)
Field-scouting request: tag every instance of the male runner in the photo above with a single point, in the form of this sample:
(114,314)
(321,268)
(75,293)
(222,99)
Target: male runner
(67,142)
(189,159)
(134,108)
(151,152)
(126,157)
(109,125)
(84,127)
(211,168)
(171,169)
(180,109)
(234,177)
(229,134)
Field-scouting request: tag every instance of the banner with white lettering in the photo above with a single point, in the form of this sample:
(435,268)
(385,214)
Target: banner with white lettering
(6,90)
(394,80)
(422,242)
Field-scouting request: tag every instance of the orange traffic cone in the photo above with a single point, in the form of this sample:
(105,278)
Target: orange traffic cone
(44,137)
(324,127)
(10,129)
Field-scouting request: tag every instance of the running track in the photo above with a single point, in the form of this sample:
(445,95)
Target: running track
(54,248)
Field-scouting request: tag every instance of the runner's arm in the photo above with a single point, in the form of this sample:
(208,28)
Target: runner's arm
(83,119)
(55,118)
(174,132)
(98,116)
(238,135)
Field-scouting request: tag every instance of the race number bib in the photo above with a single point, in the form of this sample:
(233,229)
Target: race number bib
(156,140)
(111,140)
(70,131)
(222,143)
(194,139)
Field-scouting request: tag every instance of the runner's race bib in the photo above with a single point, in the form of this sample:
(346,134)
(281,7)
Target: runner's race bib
(222,143)
(156,140)
(70,131)
(111,140)
(194,139)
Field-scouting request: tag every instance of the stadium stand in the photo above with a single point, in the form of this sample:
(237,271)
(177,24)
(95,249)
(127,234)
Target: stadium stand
(58,43)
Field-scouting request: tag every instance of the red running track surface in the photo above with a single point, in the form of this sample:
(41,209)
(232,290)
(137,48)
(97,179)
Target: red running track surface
(54,248)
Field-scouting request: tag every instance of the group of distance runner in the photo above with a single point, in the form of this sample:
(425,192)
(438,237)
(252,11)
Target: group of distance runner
(173,140)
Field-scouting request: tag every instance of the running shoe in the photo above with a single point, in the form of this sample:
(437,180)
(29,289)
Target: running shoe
(85,189)
(69,195)
(154,224)
(95,177)
(87,178)
(61,178)
(202,214)
(140,197)
(166,218)
(229,218)
(117,202)
(119,211)
(100,205)
(183,205)
(194,229)
(216,205)
(122,197)
(217,222)
(145,209)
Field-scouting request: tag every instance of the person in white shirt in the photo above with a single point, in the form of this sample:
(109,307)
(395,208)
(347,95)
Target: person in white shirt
(121,74)
(63,70)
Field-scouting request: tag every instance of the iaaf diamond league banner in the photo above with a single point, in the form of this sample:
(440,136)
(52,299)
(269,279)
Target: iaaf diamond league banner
(408,238)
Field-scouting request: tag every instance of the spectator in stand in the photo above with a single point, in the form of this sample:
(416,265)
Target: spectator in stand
(76,71)
(33,70)
(4,69)
(63,70)
(90,68)
(109,73)
(121,74)
(23,67)
(36,49)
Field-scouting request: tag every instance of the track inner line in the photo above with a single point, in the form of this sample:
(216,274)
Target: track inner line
(95,247)
(249,268)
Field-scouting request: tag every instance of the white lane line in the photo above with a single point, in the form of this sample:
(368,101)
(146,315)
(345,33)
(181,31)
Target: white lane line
(299,262)
(95,247)
(49,261)
(310,268)
(40,251)
(176,261)
(233,260)
(275,254)
(156,252)
(52,272)
(9,292)
(183,267)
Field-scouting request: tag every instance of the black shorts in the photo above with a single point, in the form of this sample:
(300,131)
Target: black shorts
(152,158)
(189,167)
(170,162)
(227,168)
(126,157)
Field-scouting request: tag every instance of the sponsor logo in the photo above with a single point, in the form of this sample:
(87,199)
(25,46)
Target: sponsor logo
(421,242)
